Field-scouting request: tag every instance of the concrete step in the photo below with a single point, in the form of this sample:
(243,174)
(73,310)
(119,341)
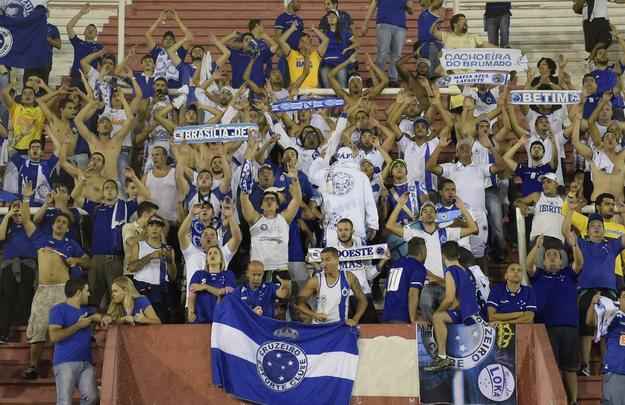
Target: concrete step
(20,352)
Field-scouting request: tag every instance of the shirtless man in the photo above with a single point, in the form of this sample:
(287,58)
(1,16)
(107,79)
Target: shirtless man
(604,181)
(107,144)
(57,255)
(355,90)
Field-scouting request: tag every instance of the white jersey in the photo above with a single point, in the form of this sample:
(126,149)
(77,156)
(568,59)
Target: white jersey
(164,193)
(557,121)
(363,270)
(548,217)
(346,193)
(470,181)
(331,298)
(270,242)
(416,157)
(151,273)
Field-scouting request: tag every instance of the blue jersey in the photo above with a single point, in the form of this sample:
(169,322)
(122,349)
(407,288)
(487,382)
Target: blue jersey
(556,297)
(18,244)
(284,21)
(404,274)
(505,301)
(530,182)
(410,212)
(466,292)
(598,268)
(76,347)
(103,236)
(204,301)
(264,297)
(392,12)
(614,361)
(140,304)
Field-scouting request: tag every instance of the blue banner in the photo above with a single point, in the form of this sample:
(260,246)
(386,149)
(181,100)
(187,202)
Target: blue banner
(307,104)
(23,41)
(266,361)
(484,365)
(545,97)
(213,133)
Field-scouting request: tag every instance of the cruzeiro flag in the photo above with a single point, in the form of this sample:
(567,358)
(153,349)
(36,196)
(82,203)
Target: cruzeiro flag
(23,41)
(266,361)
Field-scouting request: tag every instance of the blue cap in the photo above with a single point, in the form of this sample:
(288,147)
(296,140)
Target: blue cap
(595,217)
(423,120)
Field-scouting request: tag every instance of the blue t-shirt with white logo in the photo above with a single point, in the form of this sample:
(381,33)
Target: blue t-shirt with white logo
(404,274)
(556,297)
(530,175)
(76,347)
(264,297)
(204,301)
(614,361)
(83,49)
(140,304)
(102,234)
(18,244)
(284,21)
(598,268)
(505,301)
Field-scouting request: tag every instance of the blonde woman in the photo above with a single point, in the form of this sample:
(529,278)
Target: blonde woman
(208,285)
(128,306)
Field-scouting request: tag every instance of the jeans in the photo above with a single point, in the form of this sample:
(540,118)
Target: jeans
(324,72)
(390,41)
(498,28)
(494,207)
(74,374)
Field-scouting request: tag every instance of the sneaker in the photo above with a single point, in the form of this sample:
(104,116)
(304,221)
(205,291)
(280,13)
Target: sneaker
(584,371)
(4,340)
(440,364)
(30,373)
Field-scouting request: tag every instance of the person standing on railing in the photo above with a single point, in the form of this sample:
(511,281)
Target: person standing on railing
(555,286)
(82,48)
(596,24)
(497,21)
(390,33)
(429,47)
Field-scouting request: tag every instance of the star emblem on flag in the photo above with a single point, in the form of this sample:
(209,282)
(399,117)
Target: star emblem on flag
(280,366)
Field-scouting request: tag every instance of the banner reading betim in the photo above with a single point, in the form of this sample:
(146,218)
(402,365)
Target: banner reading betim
(484,365)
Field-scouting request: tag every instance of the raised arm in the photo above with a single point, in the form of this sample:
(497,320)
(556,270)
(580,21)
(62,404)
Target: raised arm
(380,75)
(391,223)
(508,157)
(323,45)
(27,222)
(580,147)
(365,26)
(296,197)
(85,63)
(471,227)
(334,83)
(532,256)
(432,163)
(72,23)
(282,40)
(149,35)
(85,113)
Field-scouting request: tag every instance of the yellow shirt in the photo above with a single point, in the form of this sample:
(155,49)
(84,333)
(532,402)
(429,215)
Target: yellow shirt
(612,231)
(27,123)
(296,68)
(453,41)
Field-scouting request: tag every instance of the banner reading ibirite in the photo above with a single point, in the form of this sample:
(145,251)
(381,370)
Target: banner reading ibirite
(486,59)
(213,133)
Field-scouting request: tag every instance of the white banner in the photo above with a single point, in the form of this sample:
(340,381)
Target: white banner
(497,59)
(495,78)
(545,97)
(213,133)
(371,252)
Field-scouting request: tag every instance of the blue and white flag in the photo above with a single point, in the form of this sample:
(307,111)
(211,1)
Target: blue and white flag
(448,216)
(545,97)
(497,59)
(266,361)
(23,41)
(213,133)
(495,78)
(247,178)
(307,104)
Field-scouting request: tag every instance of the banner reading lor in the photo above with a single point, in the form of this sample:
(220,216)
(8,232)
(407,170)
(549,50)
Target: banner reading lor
(484,371)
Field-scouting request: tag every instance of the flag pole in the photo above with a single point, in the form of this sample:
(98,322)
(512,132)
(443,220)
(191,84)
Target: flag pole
(121,29)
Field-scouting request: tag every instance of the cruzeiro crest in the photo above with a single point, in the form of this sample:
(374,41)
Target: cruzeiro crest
(342,183)
(6,42)
(281,365)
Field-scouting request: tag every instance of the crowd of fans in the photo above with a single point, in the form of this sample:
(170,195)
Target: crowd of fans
(105,210)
